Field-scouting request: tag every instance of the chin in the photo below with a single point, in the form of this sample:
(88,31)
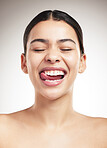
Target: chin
(53,94)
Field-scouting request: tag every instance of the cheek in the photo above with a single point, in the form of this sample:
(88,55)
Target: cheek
(33,62)
(72,61)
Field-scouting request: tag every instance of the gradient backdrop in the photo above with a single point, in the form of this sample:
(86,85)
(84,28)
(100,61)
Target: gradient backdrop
(90,90)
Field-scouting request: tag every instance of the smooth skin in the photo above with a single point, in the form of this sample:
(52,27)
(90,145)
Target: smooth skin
(51,122)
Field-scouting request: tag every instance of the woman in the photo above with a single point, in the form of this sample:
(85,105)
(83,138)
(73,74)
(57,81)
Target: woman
(53,55)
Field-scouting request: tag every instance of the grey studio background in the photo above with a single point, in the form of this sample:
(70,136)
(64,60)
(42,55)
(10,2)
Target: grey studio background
(90,89)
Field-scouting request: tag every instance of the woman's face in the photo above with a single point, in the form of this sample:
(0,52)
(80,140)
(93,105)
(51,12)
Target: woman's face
(53,58)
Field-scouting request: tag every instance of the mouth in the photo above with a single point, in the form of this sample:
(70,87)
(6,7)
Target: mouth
(52,76)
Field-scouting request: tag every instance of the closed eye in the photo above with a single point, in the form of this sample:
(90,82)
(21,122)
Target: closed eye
(66,49)
(39,50)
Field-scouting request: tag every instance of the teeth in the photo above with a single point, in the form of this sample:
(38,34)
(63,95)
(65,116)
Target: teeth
(53,80)
(54,73)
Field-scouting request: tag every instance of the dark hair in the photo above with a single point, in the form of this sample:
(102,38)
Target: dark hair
(57,16)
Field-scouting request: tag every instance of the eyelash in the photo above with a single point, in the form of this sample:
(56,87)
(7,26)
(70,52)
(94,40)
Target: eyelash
(60,49)
(66,49)
(39,50)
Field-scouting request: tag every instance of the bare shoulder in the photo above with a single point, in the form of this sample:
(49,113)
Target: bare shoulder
(100,125)
(95,127)
(4,122)
(98,129)
(10,124)
(13,118)
(4,129)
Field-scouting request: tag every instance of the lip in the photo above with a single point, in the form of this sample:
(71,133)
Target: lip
(49,83)
(54,83)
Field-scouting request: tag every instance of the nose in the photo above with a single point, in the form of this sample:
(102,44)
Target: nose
(53,56)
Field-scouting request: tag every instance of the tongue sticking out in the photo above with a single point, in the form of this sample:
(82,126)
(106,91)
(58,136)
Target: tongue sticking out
(43,76)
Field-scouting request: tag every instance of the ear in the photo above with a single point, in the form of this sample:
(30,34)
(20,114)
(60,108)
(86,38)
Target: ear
(23,64)
(82,64)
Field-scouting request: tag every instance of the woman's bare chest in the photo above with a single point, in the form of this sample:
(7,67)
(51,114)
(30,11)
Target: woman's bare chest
(27,139)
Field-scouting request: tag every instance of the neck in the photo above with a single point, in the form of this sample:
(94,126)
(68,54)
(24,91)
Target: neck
(53,113)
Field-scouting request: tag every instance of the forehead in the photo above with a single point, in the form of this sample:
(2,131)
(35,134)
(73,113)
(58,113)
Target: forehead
(52,30)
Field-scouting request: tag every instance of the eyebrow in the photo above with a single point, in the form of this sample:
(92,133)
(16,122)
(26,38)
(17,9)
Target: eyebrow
(47,41)
(66,40)
(39,40)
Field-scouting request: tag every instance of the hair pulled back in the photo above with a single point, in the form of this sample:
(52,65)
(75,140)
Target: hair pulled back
(57,16)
